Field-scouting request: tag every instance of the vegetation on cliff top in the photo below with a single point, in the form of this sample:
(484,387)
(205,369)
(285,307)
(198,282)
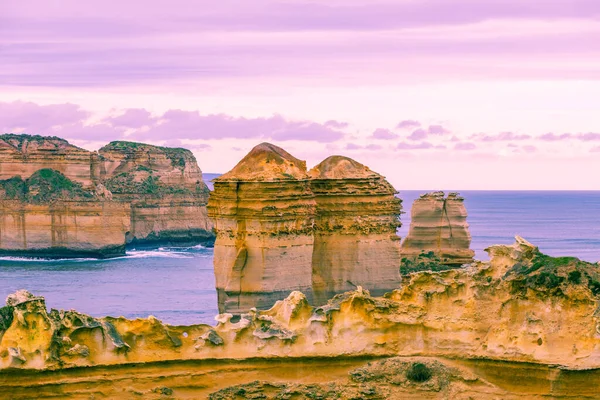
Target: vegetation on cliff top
(45,185)
(553,274)
(17,140)
(146,183)
(177,155)
(424,262)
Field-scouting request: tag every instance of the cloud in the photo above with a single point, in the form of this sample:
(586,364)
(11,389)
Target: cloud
(414,146)
(336,124)
(585,137)
(465,146)
(529,149)
(418,134)
(193,125)
(71,122)
(383,134)
(437,130)
(551,137)
(408,124)
(502,136)
(131,118)
(595,149)
(354,146)
(34,118)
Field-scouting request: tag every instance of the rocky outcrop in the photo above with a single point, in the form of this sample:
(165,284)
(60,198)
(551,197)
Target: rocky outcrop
(281,228)
(23,155)
(164,187)
(58,200)
(439,228)
(357,215)
(263,212)
(520,306)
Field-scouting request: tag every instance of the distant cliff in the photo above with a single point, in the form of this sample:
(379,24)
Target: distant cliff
(59,200)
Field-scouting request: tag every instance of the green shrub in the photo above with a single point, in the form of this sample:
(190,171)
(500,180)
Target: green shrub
(418,372)
(575,277)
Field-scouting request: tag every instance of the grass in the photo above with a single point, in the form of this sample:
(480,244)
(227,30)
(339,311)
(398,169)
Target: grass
(418,373)
(45,185)
(424,262)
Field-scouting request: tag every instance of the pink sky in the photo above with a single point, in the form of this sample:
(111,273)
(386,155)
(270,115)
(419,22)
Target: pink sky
(461,94)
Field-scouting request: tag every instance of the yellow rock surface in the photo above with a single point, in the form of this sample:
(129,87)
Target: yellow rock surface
(521,306)
(439,224)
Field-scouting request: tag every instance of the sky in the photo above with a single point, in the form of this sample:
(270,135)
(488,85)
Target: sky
(432,94)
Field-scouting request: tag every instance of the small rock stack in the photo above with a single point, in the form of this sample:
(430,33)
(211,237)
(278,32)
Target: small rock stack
(439,225)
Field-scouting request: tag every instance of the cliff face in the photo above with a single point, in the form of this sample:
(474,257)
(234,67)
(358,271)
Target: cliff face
(439,225)
(62,201)
(263,213)
(356,219)
(164,187)
(519,306)
(23,155)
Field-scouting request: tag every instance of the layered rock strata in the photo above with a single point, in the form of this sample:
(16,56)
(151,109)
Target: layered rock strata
(439,227)
(357,215)
(57,200)
(164,187)
(520,306)
(263,212)
(23,155)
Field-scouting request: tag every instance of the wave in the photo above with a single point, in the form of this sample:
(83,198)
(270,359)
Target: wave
(162,252)
(48,260)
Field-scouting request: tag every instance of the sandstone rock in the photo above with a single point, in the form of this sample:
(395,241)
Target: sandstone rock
(521,306)
(439,225)
(357,215)
(48,215)
(263,211)
(62,201)
(23,155)
(164,187)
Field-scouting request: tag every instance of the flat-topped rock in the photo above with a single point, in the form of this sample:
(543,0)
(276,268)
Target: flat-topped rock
(23,155)
(439,226)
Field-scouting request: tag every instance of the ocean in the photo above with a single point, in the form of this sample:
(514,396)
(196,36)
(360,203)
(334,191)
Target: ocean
(176,285)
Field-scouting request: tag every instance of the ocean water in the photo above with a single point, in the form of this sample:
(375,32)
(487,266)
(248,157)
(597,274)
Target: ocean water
(177,284)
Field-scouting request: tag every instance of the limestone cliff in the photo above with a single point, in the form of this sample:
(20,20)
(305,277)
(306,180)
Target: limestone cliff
(23,155)
(58,200)
(164,187)
(439,225)
(49,215)
(263,211)
(519,306)
(357,215)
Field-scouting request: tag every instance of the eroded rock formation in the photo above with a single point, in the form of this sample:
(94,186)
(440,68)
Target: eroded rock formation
(519,306)
(23,155)
(439,227)
(281,228)
(58,200)
(263,213)
(357,215)
(164,187)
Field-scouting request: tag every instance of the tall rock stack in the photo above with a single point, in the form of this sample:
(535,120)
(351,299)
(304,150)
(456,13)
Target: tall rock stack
(439,225)
(263,211)
(355,230)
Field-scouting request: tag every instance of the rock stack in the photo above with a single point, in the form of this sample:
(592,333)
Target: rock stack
(439,226)
(281,229)
(355,230)
(263,212)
